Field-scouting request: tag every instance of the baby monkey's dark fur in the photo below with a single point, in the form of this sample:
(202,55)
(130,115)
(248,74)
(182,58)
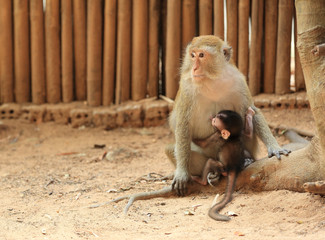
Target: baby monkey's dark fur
(232,156)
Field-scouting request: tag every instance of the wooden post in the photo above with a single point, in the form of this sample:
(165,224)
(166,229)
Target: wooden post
(67,51)
(188,22)
(205,17)
(299,76)
(37,51)
(255,53)
(52,42)
(232,26)
(243,49)
(270,39)
(79,37)
(94,52)
(173,48)
(153,58)
(109,52)
(218,23)
(123,57)
(282,76)
(163,39)
(139,49)
(6,54)
(21,42)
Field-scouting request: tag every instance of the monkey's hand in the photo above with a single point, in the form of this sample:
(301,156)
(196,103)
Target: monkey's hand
(277,151)
(180,182)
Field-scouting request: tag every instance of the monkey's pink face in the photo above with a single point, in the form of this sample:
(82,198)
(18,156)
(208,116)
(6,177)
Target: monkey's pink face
(217,123)
(200,59)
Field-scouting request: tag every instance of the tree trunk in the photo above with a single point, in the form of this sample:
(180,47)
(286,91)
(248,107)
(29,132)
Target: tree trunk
(306,164)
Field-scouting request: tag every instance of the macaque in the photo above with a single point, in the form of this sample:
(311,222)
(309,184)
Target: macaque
(210,83)
(226,123)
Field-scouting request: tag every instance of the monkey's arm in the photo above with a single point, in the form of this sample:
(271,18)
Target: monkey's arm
(264,133)
(183,145)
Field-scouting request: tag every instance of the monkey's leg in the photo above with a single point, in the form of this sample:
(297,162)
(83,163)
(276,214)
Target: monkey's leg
(214,210)
(197,161)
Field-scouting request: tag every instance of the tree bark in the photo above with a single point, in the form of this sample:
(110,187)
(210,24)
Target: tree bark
(301,168)
(311,32)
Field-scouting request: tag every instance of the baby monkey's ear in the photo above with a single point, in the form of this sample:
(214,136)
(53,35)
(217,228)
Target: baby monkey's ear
(225,134)
(227,52)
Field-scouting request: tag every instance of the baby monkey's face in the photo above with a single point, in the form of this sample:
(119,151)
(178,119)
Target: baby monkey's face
(217,123)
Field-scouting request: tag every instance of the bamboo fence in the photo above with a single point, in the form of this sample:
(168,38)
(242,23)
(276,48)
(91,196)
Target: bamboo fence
(110,51)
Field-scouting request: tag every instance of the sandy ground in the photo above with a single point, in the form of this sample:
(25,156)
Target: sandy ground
(50,174)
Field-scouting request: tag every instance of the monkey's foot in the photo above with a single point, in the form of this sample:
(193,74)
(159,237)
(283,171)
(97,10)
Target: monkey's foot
(213,178)
(315,187)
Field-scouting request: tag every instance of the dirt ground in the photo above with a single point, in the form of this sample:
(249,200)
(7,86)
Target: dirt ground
(50,174)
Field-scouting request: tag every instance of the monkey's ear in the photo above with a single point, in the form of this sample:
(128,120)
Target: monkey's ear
(225,134)
(227,52)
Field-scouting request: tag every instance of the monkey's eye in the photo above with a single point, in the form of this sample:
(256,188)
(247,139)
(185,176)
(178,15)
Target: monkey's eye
(192,55)
(201,55)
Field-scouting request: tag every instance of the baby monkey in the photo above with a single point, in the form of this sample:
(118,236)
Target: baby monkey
(232,156)
(224,130)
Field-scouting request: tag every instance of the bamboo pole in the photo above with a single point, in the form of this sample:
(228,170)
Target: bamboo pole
(205,17)
(163,39)
(123,57)
(109,51)
(94,52)
(270,40)
(299,76)
(255,53)
(218,23)
(243,49)
(6,53)
(153,55)
(21,46)
(139,49)
(67,51)
(232,29)
(79,37)
(37,51)
(282,75)
(173,47)
(52,45)
(188,21)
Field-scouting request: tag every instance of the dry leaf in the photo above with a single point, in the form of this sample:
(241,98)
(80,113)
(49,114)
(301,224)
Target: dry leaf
(188,212)
(237,233)
(230,213)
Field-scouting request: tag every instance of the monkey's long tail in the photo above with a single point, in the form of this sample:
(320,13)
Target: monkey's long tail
(214,210)
(165,192)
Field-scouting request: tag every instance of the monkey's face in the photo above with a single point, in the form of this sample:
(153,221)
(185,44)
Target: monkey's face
(201,64)
(207,57)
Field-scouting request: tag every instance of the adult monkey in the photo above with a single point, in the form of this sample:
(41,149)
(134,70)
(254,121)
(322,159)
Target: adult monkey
(209,83)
